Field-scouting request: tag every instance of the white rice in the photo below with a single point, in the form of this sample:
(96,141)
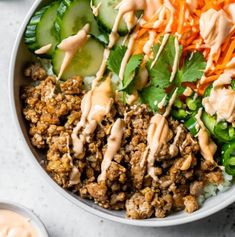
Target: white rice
(212,189)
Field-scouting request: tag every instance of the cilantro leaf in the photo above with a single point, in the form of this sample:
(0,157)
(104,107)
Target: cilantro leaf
(152,96)
(131,69)
(115,59)
(192,69)
(160,73)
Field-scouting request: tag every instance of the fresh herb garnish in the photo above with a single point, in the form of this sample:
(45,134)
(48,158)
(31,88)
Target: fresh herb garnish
(130,71)
(160,73)
(192,69)
(115,58)
(152,95)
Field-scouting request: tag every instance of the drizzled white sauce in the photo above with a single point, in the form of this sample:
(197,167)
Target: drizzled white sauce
(130,20)
(158,134)
(231,11)
(102,68)
(125,6)
(188,92)
(222,99)
(44,49)
(152,8)
(149,44)
(193,4)
(127,55)
(95,105)
(163,44)
(114,143)
(162,102)
(95,9)
(215,26)
(71,45)
(198,118)
(176,60)
(141,81)
(170,7)
(161,17)
(171,102)
(173,147)
(207,146)
(163,10)
(131,99)
(74,176)
(14,225)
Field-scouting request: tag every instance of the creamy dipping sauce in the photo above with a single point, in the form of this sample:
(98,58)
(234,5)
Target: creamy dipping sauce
(14,225)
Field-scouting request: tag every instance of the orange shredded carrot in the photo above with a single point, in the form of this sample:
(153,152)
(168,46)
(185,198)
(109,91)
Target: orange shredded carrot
(210,79)
(182,5)
(186,25)
(201,89)
(228,56)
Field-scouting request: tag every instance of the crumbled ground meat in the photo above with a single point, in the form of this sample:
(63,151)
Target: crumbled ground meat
(190,203)
(54,108)
(137,207)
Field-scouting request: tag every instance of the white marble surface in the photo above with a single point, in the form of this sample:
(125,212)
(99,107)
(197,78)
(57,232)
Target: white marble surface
(20,182)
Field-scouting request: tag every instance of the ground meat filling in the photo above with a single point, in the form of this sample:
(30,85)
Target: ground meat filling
(54,108)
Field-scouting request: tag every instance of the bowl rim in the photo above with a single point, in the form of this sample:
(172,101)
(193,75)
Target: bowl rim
(143,223)
(25,212)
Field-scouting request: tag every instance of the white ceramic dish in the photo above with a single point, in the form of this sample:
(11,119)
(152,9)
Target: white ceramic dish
(25,212)
(20,57)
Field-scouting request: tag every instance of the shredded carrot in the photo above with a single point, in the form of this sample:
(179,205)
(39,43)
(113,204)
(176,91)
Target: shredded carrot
(210,79)
(186,25)
(229,53)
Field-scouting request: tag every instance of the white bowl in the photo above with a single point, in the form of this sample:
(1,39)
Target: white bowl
(20,57)
(25,212)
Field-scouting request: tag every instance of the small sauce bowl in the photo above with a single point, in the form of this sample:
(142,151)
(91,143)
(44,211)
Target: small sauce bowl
(26,213)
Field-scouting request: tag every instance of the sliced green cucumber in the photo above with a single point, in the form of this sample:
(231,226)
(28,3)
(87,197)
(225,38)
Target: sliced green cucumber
(72,16)
(107,15)
(209,121)
(86,62)
(41,31)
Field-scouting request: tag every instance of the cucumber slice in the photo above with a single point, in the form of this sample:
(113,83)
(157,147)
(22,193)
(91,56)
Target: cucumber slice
(209,122)
(86,62)
(41,31)
(72,16)
(107,15)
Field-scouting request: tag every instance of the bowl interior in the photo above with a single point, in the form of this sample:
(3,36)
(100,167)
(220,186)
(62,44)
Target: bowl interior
(21,57)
